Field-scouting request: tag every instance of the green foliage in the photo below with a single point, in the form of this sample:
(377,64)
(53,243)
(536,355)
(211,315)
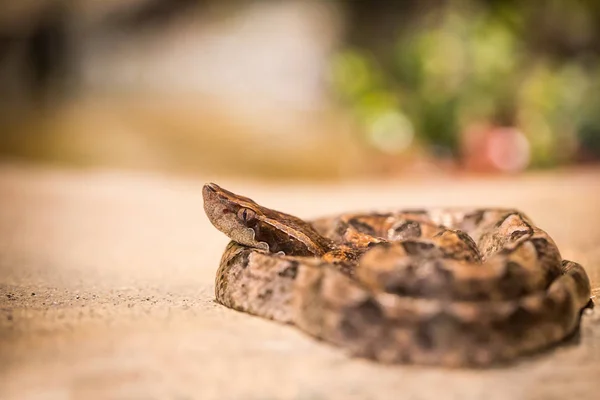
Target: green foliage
(465,64)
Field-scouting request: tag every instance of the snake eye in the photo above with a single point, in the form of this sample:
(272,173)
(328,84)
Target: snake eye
(246,214)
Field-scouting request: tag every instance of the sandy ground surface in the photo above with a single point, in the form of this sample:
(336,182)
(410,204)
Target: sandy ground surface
(106,291)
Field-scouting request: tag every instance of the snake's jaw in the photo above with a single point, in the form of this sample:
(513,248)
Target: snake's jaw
(259,245)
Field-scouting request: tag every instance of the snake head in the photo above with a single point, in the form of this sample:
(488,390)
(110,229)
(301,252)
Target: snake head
(234,215)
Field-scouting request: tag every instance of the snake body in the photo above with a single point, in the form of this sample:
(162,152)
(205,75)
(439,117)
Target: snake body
(449,287)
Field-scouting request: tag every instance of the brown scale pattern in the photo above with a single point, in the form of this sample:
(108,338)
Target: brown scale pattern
(448,287)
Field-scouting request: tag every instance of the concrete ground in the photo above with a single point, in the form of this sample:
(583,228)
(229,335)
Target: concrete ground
(106,291)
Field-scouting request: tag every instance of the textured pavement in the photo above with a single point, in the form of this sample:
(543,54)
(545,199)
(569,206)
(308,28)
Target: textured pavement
(106,291)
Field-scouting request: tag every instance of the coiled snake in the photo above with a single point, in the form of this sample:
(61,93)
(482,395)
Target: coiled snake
(450,287)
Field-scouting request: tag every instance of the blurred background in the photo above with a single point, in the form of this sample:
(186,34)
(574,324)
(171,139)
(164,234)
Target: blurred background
(301,89)
(113,113)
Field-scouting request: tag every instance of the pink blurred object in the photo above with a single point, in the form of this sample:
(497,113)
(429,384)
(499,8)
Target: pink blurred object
(489,148)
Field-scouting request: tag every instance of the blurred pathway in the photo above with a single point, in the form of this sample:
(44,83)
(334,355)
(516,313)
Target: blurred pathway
(106,291)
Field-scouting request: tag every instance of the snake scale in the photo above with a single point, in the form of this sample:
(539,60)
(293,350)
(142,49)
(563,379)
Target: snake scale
(448,287)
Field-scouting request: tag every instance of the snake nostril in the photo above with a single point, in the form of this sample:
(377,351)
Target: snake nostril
(211,187)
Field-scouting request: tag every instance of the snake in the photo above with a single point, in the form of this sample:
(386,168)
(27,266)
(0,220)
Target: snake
(449,287)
